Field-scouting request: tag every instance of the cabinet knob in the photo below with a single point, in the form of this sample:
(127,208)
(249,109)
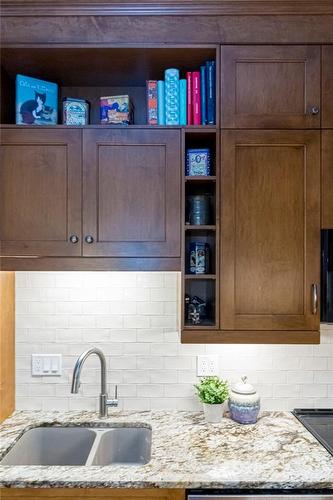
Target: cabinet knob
(73,238)
(314,110)
(89,239)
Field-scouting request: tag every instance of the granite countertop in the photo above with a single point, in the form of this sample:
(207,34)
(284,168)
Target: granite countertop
(277,452)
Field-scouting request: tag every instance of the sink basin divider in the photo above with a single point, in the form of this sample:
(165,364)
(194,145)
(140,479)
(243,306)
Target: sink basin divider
(99,433)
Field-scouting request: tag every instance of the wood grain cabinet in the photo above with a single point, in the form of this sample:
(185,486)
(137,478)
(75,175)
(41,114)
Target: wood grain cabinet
(270,230)
(327,86)
(40,192)
(270,86)
(131,193)
(327,180)
(93,494)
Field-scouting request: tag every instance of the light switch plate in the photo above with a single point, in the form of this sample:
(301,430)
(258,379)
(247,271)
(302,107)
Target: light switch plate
(207,366)
(46,365)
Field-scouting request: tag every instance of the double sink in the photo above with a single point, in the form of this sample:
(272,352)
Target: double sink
(81,446)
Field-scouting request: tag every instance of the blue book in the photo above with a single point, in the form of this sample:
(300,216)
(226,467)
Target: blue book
(183,102)
(36,101)
(160,102)
(203,95)
(172,96)
(211,92)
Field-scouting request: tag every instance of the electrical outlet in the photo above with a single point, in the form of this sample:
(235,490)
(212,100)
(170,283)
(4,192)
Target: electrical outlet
(207,366)
(47,365)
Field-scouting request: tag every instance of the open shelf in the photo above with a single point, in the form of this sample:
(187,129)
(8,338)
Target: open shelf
(200,276)
(200,227)
(92,72)
(200,178)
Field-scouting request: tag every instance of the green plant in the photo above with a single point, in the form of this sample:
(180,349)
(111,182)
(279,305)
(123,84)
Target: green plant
(212,390)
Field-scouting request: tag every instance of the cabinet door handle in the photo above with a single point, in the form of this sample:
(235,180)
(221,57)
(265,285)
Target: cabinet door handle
(314,110)
(73,238)
(314,294)
(89,239)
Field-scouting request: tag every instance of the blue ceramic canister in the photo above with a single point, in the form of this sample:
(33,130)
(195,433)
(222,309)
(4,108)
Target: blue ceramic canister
(244,402)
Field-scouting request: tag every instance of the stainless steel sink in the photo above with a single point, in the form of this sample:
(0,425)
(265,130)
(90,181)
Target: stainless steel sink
(81,446)
(52,446)
(130,446)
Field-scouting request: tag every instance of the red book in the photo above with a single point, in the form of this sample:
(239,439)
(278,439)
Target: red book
(189,98)
(196,98)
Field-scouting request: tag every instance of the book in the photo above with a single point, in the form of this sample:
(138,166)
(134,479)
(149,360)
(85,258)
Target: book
(189,98)
(160,102)
(151,91)
(172,96)
(211,88)
(203,95)
(196,98)
(183,98)
(36,101)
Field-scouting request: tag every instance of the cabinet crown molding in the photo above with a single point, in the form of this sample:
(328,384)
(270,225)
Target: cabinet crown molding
(165,7)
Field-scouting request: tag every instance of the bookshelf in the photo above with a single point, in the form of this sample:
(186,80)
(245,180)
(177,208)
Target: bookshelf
(202,286)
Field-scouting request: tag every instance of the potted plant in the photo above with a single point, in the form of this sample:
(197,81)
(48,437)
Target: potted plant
(213,392)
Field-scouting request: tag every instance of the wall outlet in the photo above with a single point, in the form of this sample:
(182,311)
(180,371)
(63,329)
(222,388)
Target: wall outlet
(207,366)
(46,365)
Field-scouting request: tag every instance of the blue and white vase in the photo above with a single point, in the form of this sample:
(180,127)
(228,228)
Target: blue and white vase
(244,402)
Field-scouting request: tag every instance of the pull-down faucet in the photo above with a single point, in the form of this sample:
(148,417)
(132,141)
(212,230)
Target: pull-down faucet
(104,402)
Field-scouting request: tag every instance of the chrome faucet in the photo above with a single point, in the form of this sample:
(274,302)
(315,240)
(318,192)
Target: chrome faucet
(104,402)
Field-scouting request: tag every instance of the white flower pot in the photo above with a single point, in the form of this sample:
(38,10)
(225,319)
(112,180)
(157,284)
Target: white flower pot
(213,413)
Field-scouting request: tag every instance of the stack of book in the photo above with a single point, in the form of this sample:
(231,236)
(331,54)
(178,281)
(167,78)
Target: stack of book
(188,101)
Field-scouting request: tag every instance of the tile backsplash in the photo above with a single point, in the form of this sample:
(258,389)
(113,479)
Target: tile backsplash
(133,318)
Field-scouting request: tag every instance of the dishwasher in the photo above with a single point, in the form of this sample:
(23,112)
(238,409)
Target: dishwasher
(259,495)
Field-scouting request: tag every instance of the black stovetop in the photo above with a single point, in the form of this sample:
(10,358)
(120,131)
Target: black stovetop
(319,423)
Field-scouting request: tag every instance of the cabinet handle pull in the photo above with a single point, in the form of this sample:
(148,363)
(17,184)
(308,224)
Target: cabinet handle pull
(73,238)
(314,290)
(89,239)
(314,110)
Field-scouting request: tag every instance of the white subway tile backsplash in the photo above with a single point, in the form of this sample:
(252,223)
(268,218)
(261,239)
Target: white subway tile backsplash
(133,317)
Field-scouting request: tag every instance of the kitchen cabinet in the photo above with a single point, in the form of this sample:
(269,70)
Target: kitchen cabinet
(7,344)
(327,180)
(270,243)
(327,86)
(40,192)
(270,86)
(94,494)
(131,193)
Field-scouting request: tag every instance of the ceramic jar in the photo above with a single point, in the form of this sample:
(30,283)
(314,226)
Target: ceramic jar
(244,402)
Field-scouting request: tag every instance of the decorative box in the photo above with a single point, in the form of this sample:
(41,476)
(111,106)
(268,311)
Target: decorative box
(244,402)
(198,162)
(116,110)
(199,258)
(75,111)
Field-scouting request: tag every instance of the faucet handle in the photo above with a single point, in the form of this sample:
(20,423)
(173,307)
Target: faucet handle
(114,401)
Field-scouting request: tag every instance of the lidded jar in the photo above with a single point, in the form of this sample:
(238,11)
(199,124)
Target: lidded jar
(244,402)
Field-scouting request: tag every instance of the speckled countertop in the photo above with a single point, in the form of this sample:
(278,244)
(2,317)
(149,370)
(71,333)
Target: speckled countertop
(277,452)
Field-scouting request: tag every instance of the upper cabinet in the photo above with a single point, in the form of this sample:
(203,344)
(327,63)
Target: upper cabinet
(270,87)
(270,246)
(327,180)
(40,192)
(131,192)
(327,89)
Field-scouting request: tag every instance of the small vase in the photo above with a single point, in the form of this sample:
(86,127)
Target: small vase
(213,413)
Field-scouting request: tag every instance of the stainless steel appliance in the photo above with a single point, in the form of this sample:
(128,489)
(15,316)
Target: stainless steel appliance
(263,496)
(326,313)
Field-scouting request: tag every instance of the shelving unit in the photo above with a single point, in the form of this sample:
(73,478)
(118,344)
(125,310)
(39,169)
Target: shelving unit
(203,286)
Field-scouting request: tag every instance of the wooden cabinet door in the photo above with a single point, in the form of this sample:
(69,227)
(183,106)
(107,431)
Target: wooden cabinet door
(131,192)
(270,230)
(327,86)
(40,191)
(327,180)
(270,86)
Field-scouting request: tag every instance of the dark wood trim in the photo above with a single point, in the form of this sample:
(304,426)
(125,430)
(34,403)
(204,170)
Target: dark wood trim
(249,337)
(88,264)
(164,7)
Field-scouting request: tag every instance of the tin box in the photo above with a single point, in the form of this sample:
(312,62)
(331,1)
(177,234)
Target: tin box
(75,111)
(199,258)
(198,162)
(116,110)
